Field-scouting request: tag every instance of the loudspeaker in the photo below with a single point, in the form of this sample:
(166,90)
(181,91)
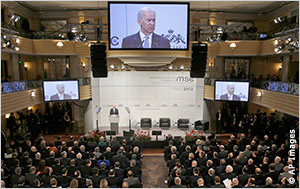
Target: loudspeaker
(198,63)
(98,60)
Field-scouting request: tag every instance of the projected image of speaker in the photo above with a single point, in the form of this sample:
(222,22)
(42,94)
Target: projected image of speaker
(198,63)
(98,60)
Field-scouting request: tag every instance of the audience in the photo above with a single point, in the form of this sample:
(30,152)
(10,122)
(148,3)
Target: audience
(72,163)
(255,157)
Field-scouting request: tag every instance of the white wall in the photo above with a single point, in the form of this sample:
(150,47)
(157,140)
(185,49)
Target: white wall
(148,94)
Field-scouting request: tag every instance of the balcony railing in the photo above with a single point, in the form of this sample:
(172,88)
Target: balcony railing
(15,86)
(276,86)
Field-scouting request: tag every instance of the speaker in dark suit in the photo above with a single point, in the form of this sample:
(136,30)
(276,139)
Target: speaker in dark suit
(98,60)
(114,111)
(198,63)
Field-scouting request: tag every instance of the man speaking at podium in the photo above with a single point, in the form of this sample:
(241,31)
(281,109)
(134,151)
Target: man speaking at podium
(146,38)
(114,110)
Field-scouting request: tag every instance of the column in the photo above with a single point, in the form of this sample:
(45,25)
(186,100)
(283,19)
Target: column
(285,68)
(15,66)
(75,70)
(219,68)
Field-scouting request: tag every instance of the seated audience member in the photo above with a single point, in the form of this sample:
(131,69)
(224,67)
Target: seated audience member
(64,179)
(218,184)
(177,182)
(131,180)
(21,183)
(103,183)
(53,183)
(251,183)
(235,183)
(200,183)
(74,183)
(113,181)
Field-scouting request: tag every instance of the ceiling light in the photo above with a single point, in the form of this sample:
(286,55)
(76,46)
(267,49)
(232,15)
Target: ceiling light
(112,66)
(232,45)
(33,94)
(171,67)
(59,44)
(18,41)
(74,30)
(259,93)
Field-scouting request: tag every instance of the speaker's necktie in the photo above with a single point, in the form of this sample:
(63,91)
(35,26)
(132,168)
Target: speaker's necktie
(146,42)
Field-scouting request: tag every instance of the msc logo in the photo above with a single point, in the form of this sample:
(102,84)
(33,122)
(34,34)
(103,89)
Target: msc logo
(184,79)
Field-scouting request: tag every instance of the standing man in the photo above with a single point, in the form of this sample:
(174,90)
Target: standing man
(146,38)
(60,93)
(114,110)
(230,94)
(219,120)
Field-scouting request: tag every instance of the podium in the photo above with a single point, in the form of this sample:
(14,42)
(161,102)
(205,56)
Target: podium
(114,123)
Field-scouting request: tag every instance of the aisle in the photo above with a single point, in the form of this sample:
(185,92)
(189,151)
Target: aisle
(154,171)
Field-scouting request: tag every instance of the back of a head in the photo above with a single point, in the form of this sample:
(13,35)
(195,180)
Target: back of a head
(217,179)
(74,183)
(177,181)
(53,182)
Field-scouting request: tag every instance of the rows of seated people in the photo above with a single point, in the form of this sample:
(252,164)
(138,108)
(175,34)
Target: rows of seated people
(247,162)
(78,163)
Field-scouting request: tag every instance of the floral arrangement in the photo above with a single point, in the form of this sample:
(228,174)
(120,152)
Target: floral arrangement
(193,135)
(97,134)
(141,135)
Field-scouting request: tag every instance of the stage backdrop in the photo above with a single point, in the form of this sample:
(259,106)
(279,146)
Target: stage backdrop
(148,95)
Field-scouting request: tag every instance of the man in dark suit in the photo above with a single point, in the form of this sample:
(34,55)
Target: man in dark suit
(146,38)
(230,94)
(114,111)
(219,120)
(60,93)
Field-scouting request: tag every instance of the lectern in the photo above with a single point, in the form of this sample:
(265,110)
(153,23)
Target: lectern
(114,123)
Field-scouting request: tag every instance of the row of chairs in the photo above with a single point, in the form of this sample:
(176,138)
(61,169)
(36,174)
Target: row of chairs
(181,123)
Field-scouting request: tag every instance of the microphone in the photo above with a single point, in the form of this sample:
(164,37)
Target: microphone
(156,45)
(140,45)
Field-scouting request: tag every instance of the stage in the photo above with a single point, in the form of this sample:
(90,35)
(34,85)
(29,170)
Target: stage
(173,130)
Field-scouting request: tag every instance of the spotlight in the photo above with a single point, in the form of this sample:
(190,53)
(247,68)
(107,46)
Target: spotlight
(90,44)
(276,42)
(182,67)
(171,67)
(4,36)
(112,66)
(17,48)
(123,67)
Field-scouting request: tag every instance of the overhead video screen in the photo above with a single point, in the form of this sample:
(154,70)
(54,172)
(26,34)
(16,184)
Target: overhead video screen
(61,90)
(232,91)
(143,26)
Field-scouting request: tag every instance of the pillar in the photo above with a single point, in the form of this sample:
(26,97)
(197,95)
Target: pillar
(219,68)
(285,68)
(15,66)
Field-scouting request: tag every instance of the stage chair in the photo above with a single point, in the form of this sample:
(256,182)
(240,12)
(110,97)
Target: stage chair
(199,125)
(146,123)
(164,123)
(183,123)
